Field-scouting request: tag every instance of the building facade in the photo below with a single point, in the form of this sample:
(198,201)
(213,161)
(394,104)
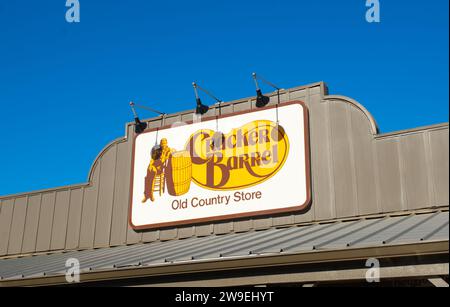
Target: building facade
(374,196)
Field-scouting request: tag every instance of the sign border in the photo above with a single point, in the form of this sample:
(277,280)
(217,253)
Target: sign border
(236,215)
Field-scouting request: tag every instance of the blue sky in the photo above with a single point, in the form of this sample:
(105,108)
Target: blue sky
(64,88)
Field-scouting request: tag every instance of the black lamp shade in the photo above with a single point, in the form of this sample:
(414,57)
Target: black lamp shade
(261,100)
(201,108)
(139,127)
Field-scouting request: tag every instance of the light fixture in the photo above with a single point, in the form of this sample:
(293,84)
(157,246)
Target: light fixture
(218,138)
(261,100)
(140,126)
(201,108)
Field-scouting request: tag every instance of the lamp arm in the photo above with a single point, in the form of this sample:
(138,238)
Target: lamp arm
(133,110)
(149,109)
(208,93)
(255,77)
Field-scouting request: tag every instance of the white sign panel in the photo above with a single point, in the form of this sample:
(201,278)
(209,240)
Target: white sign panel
(241,164)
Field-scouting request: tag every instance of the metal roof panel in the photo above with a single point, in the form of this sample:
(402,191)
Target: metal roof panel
(397,230)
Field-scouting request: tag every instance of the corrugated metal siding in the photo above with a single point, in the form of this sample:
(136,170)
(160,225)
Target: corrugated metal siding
(321,161)
(60,217)
(439,151)
(45,222)
(6,216)
(343,162)
(364,163)
(89,211)
(105,198)
(389,179)
(354,172)
(119,224)
(17,225)
(74,218)
(31,224)
(383,231)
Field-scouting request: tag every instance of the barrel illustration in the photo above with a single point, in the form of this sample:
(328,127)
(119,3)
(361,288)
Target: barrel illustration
(179,173)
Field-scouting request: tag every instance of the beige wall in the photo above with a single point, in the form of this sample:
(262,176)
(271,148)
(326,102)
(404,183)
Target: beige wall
(355,171)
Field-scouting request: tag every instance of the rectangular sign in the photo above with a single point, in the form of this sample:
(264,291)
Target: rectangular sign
(232,166)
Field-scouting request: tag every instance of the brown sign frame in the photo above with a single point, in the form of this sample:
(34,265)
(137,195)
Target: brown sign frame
(238,215)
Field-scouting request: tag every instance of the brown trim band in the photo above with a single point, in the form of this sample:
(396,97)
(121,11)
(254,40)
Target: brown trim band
(239,215)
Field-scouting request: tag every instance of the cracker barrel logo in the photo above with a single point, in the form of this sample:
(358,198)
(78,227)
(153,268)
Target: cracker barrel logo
(244,157)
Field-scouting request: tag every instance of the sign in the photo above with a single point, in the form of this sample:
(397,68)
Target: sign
(236,165)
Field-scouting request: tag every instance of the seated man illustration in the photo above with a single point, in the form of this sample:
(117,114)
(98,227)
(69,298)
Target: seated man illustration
(155,171)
